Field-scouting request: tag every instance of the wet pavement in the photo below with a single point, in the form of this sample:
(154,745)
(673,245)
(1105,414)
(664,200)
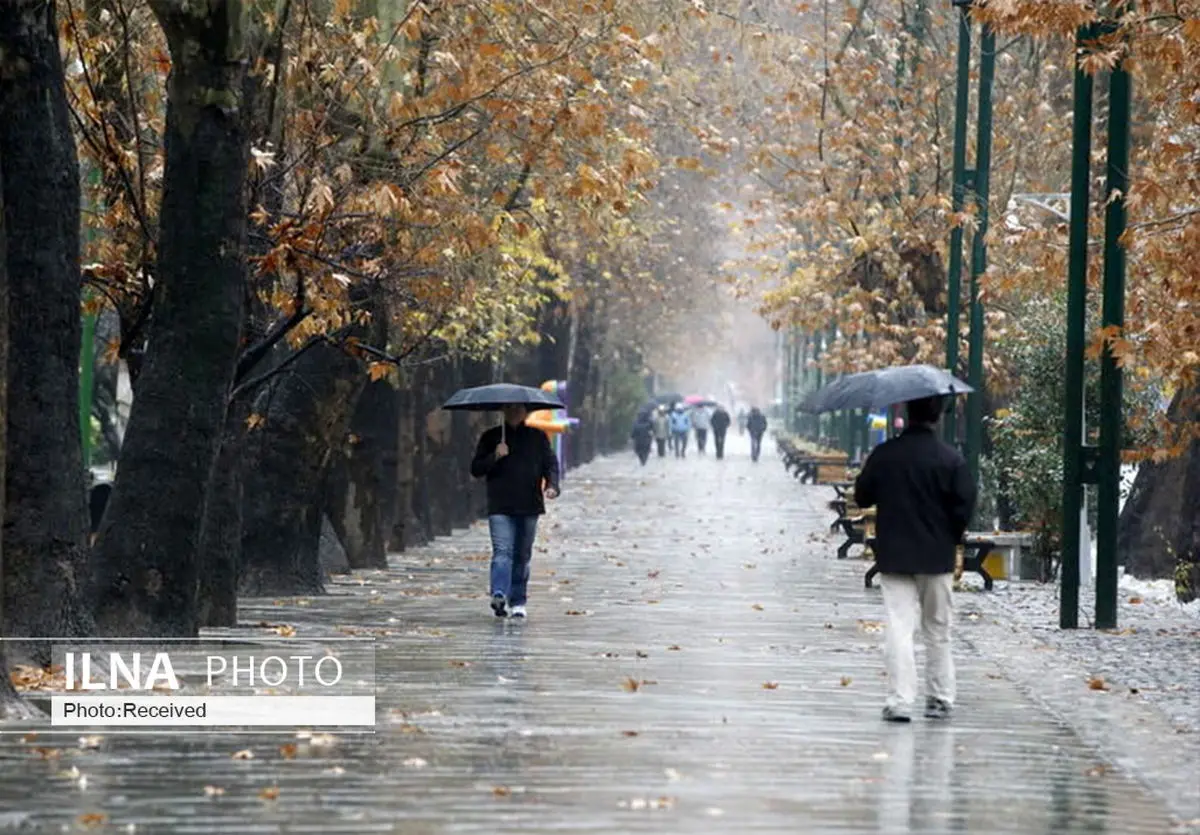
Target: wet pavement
(695,661)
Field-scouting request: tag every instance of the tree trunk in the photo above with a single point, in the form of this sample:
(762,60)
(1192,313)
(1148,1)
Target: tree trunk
(148,546)
(12,706)
(1159,531)
(305,414)
(220,546)
(406,527)
(363,482)
(46,518)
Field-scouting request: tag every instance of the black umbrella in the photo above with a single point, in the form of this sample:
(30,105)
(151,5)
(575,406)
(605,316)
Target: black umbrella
(884,387)
(498,395)
(669,398)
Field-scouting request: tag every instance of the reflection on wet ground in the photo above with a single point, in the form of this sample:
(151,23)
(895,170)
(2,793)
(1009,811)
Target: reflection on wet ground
(695,661)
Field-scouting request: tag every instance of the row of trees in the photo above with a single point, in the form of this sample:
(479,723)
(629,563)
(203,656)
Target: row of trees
(844,115)
(312,220)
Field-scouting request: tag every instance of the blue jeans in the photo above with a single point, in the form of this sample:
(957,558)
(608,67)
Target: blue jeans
(512,551)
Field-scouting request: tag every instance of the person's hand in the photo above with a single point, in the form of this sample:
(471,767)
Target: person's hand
(501,450)
(551,492)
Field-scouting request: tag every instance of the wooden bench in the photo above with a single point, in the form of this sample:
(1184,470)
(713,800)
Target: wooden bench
(971,556)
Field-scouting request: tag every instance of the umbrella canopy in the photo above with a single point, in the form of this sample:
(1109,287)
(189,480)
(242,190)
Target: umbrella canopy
(884,387)
(498,395)
(668,398)
(703,401)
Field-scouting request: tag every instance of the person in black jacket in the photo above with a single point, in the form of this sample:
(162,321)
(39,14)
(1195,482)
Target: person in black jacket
(642,434)
(925,498)
(521,468)
(720,425)
(756,425)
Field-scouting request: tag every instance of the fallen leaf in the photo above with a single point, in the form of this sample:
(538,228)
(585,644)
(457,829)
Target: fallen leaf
(285,631)
(629,733)
(770,685)
(288,751)
(1097,683)
(674,648)
(1135,600)
(213,791)
(92,819)
(631,684)
(758,607)
(322,740)
(846,681)
(48,753)
(582,612)
(641,654)
(269,793)
(90,741)
(460,663)
(30,737)
(870,626)
(244,754)
(1097,771)
(501,791)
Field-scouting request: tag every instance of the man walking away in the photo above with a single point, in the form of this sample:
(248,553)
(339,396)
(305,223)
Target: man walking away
(519,464)
(720,425)
(743,418)
(681,425)
(662,430)
(756,425)
(925,498)
(642,433)
(701,421)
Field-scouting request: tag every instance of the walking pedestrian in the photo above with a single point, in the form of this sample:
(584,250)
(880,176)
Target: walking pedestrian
(681,425)
(701,421)
(720,425)
(642,433)
(756,425)
(521,471)
(742,419)
(662,430)
(925,498)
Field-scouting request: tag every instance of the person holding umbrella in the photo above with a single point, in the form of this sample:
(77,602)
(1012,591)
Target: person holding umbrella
(925,497)
(521,471)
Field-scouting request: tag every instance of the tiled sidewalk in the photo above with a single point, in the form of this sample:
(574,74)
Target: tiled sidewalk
(695,661)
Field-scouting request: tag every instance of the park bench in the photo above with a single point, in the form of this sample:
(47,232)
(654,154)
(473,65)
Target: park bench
(973,555)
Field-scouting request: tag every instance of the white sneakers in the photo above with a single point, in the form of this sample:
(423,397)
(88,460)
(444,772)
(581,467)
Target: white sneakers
(517,612)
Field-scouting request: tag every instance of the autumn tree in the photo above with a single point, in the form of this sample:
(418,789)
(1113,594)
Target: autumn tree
(45,577)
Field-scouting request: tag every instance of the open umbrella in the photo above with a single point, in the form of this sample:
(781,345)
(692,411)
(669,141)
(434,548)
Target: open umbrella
(668,398)
(498,395)
(884,387)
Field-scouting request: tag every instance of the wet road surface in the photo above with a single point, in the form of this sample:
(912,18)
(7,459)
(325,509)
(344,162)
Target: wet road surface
(695,661)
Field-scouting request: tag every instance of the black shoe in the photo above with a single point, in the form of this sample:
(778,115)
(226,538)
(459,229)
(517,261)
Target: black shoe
(937,708)
(499,605)
(891,714)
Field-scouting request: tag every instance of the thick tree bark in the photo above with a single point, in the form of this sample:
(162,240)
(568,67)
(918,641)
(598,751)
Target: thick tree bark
(46,517)
(406,527)
(305,414)
(12,706)
(1159,530)
(148,546)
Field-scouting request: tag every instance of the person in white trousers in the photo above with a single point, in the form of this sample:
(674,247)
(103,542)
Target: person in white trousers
(925,497)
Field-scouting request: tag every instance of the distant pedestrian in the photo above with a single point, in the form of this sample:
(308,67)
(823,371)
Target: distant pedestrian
(742,419)
(661,424)
(756,425)
(720,425)
(681,425)
(642,434)
(925,497)
(701,421)
(521,468)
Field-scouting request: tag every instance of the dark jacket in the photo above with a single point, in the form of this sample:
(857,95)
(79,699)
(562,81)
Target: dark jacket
(514,483)
(642,434)
(756,424)
(720,422)
(925,498)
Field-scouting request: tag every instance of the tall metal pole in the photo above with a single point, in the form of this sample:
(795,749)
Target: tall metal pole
(1072,485)
(1120,95)
(958,198)
(983,165)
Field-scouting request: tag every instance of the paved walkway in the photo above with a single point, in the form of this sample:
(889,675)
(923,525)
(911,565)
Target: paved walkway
(695,661)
